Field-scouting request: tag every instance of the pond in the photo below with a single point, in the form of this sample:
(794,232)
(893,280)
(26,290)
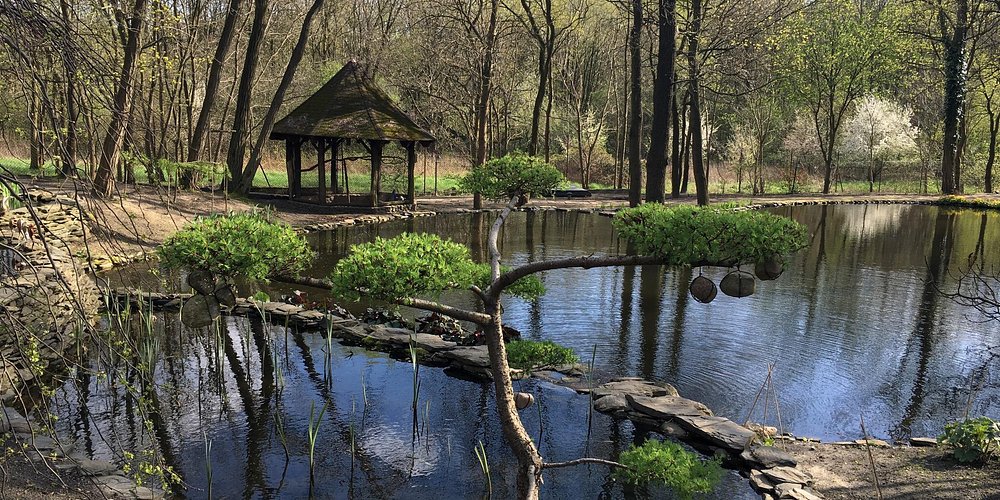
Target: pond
(855,326)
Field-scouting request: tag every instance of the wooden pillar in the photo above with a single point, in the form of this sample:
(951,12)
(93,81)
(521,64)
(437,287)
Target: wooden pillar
(289,164)
(334,165)
(321,168)
(376,147)
(296,179)
(411,163)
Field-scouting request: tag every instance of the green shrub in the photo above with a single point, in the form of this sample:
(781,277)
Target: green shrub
(248,245)
(412,265)
(668,463)
(515,174)
(528,354)
(973,440)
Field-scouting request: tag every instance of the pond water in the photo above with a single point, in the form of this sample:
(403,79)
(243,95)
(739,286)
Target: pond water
(855,326)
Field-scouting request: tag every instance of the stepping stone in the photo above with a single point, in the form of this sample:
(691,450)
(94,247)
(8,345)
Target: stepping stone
(923,442)
(780,475)
(718,431)
(872,442)
(668,407)
(760,482)
(96,467)
(634,387)
(767,457)
(614,403)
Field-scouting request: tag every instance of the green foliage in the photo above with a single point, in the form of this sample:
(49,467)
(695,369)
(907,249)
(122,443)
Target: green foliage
(529,354)
(412,265)
(964,201)
(513,175)
(248,245)
(687,234)
(669,463)
(973,440)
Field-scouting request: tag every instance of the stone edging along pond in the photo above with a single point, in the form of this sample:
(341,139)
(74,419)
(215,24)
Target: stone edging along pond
(651,405)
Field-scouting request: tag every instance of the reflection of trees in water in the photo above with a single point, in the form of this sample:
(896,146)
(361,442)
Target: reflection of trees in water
(650,305)
(924,336)
(683,277)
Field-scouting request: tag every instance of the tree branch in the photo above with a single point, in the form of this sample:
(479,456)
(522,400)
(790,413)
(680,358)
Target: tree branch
(507,279)
(584,460)
(454,312)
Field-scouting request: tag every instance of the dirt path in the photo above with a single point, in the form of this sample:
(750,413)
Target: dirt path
(844,472)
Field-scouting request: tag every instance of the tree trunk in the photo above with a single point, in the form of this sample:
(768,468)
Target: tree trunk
(675,148)
(485,87)
(992,155)
(214,78)
(72,113)
(264,134)
(104,181)
(954,94)
(241,120)
(697,144)
(529,461)
(656,158)
(635,108)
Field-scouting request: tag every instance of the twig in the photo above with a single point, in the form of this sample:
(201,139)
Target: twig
(584,460)
(871,458)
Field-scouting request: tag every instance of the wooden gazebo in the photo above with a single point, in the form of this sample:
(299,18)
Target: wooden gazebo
(349,107)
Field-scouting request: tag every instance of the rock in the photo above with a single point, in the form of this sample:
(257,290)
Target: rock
(96,467)
(468,355)
(668,407)
(767,457)
(872,442)
(224,294)
(634,387)
(11,420)
(673,429)
(760,482)
(923,442)
(615,403)
(779,475)
(785,490)
(719,431)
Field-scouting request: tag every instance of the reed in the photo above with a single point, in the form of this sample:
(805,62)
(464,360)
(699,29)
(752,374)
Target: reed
(313,433)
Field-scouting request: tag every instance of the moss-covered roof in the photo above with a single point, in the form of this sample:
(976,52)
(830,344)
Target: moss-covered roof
(350,106)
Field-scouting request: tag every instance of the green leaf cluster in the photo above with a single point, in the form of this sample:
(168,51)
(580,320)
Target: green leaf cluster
(529,354)
(973,440)
(688,235)
(248,245)
(668,463)
(412,265)
(515,174)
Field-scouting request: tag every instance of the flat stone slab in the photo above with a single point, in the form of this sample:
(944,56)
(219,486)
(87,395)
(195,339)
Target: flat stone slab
(635,388)
(718,431)
(767,457)
(96,467)
(923,442)
(668,407)
(760,482)
(468,355)
(614,403)
(780,475)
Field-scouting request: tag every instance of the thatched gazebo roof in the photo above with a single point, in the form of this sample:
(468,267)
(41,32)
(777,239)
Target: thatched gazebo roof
(350,106)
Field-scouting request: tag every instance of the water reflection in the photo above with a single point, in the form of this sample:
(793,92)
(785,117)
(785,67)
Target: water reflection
(854,324)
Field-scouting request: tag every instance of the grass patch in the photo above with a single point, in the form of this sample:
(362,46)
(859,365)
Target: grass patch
(966,202)
(668,463)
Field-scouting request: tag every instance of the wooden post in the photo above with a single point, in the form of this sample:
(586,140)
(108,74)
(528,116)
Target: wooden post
(334,164)
(289,164)
(321,167)
(376,147)
(411,162)
(296,179)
